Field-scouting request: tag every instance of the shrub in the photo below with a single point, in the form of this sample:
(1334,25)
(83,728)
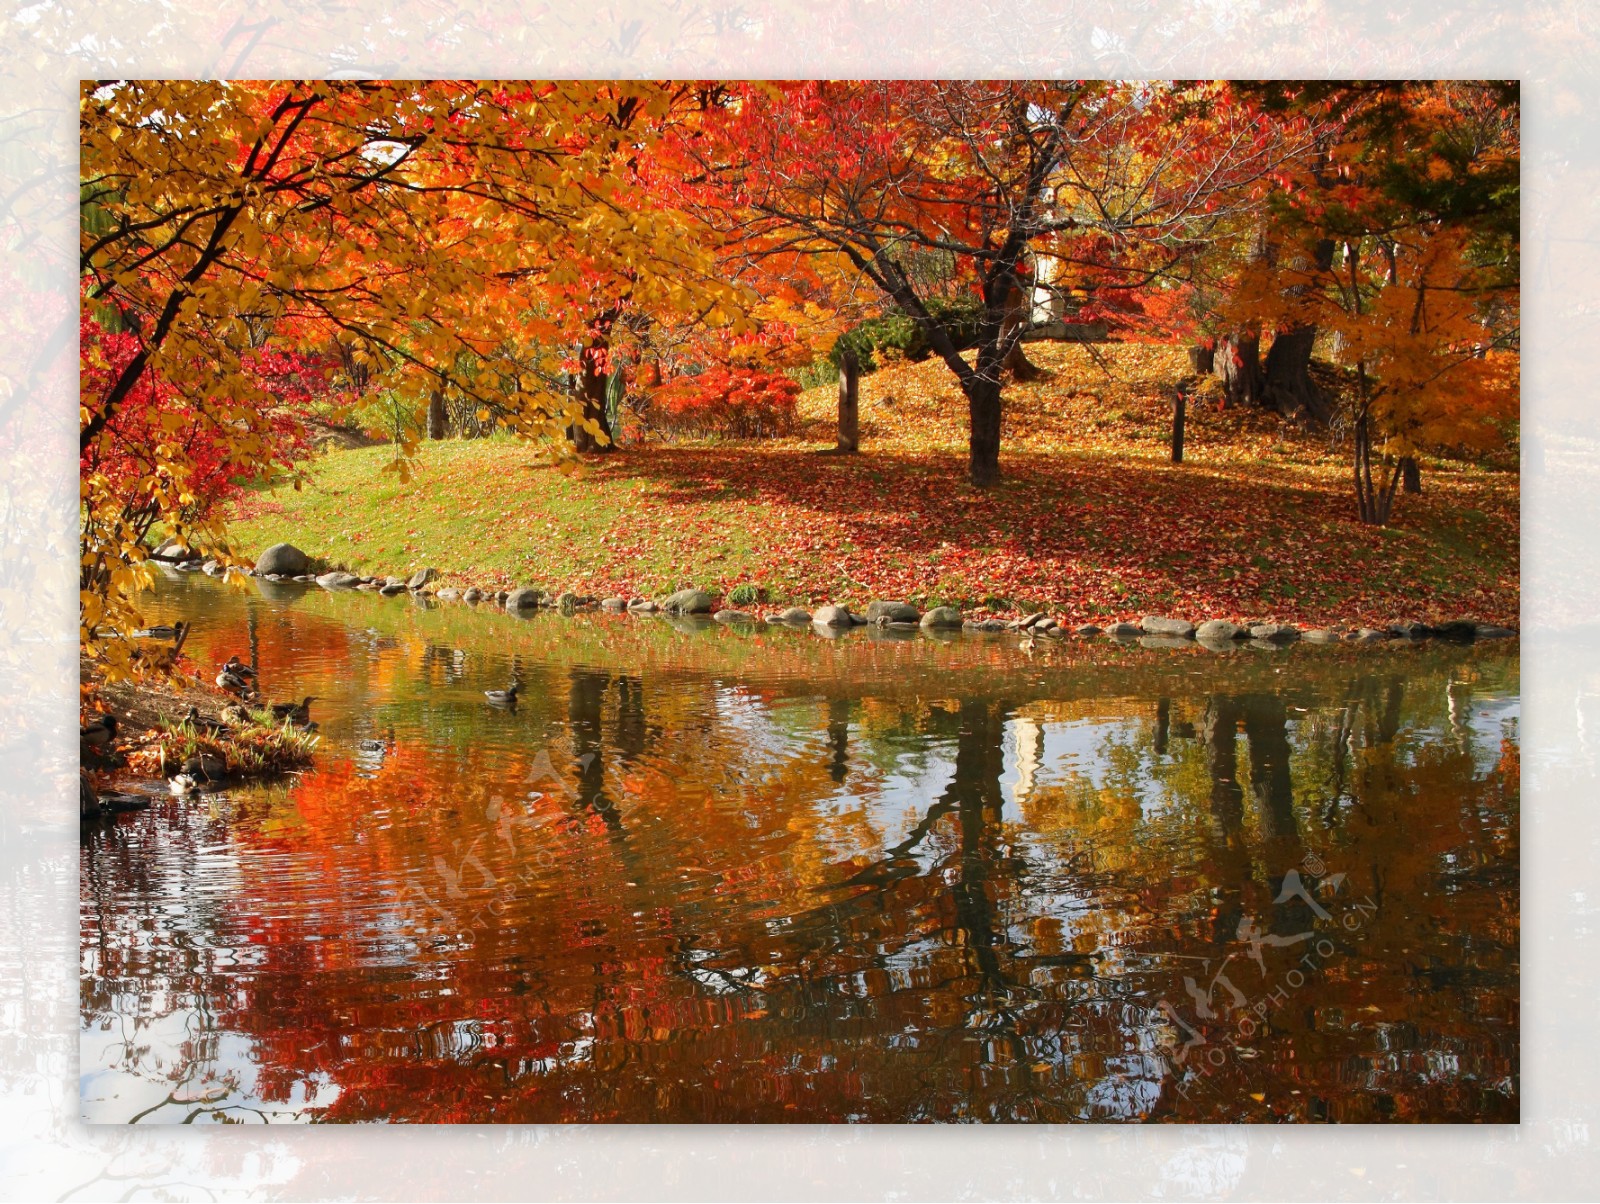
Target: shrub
(734,402)
(901,334)
(745,595)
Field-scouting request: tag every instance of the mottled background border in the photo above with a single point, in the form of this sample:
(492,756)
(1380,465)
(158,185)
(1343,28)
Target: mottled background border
(46,47)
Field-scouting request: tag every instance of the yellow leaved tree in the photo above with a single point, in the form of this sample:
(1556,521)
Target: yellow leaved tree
(413,227)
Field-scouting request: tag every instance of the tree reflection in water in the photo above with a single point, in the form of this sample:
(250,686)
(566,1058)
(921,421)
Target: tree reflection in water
(700,875)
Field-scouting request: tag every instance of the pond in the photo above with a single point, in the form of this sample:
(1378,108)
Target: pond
(708,874)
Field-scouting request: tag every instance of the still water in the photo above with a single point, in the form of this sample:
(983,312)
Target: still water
(702,874)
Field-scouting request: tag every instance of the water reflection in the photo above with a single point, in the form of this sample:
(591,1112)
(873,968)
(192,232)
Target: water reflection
(710,875)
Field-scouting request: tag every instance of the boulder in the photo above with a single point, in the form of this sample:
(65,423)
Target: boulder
(1217,631)
(1412,630)
(795,614)
(833,616)
(472,595)
(687,602)
(1124,631)
(420,578)
(566,602)
(1027,621)
(1275,633)
(212,568)
(1491,631)
(733,616)
(613,604)
(1369,635)
(392,581)
(391,588)
(283,558)
(525,598)
(942,616)
(1158,625)
(643,606)
(892,612)
(1321,635)
(448,594)
(1086,630)
(1459,630)
(1165,641)
(368,585)
(171,550)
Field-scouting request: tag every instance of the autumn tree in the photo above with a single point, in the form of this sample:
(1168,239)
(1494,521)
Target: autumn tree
(1129,181)
(1405,238)
(418,226)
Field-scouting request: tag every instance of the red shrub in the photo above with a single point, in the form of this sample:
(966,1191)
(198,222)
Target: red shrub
(734,402)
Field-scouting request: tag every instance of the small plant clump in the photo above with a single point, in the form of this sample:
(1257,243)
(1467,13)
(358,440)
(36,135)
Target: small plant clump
(260,748)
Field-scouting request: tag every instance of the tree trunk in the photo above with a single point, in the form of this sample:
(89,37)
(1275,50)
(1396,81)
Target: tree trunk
(436,414)
(849,404)
(1017,362)
(1288,387)
(983,409)
(1374,495)
(592,392)
(1410,475)
(1180,403)
(1237,364)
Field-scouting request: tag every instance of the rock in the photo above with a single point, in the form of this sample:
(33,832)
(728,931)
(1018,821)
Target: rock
(794,614)
(1086,630)
(1026,622)
(525,598)
(1490,631)
(1459,630)
(903,625)
(1369,635)
(448,594)
(306,577)
(212,568)
(687,602)
(1275,633)
(833,616)
(500,596)
(1412,630)
(272,576)
(566,602)
(942,616)
(400,581)
(1321,635)
(88,804)
(1157,625)
(1047,623)
(1124,631)
(472,595)
(892,612)
(171,550)
(1055,631)
(613,604)
(733,616)
(368,585)
(283,558)
(643,606)
(391,588)
(1216,631)
(420,578)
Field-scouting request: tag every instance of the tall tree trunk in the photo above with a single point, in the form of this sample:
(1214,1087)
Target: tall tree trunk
(1017,362)
(849,404)
(592,392)
(1410,475)
(1237,364)
(1288,387)
(983,409)
(436,414)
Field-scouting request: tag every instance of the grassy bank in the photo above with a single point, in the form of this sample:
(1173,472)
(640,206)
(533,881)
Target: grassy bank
(1092,521)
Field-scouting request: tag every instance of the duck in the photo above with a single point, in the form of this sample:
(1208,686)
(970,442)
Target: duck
(204,767)
(238,668)
(294,712)
(503,698)
(124,802)
(98,732)
(235,714)
(235,683)
(200,723)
